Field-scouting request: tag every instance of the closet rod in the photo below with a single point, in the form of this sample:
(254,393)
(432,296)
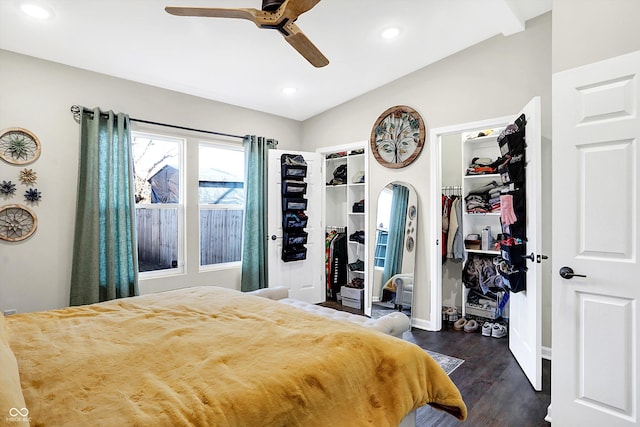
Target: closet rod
(75,109)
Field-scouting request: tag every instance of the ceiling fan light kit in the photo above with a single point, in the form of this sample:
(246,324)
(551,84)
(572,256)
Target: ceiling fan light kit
(275,15)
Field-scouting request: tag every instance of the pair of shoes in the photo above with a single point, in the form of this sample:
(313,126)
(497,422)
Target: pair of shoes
(471,326)
(460,324)
(499,330)
(357,266)
(495,330)
(358,236)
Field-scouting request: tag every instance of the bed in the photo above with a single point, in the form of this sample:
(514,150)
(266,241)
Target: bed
(210,356)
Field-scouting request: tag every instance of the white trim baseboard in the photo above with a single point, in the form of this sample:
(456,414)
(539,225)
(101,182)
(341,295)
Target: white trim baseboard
(546,352)
(423,324)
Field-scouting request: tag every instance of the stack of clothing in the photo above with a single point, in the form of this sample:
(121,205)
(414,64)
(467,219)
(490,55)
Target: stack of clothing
(485,199)
(482,166)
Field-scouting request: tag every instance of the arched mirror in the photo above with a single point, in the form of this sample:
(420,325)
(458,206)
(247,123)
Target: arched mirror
(394,250)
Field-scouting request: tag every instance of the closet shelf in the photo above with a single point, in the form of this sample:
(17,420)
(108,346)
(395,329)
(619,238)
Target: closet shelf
(481,214)
(492,137)
(336,186)
(483,175)
(480,251)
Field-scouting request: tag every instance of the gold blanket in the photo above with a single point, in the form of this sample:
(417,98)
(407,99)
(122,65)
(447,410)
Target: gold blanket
(210,356)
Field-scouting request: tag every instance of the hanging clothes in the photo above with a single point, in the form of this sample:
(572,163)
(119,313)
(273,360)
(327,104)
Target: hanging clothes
(446,211)
(455,229)
(335,262)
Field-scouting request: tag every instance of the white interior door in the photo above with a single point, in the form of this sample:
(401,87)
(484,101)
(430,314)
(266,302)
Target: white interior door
(595,378)
(304,278)
(525,308)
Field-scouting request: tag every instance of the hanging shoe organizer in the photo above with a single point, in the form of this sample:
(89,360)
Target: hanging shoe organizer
(294,205)
(513,206)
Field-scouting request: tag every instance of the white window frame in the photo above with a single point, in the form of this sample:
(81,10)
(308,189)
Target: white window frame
(180,206)
(224,265)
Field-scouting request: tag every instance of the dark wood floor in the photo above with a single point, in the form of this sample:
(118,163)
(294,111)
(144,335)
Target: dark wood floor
(493,386)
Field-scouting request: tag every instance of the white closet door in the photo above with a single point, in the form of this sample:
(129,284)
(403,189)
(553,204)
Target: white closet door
(595,378)
(304,278)
(525,308)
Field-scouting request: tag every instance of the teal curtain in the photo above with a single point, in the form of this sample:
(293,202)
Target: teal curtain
(255,272)
(395,242)
(105,260)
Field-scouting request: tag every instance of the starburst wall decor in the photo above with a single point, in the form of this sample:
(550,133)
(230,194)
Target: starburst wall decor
(32,195)
(8,188)
(28,177)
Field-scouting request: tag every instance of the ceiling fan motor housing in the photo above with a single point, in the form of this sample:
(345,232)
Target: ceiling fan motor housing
(271,5)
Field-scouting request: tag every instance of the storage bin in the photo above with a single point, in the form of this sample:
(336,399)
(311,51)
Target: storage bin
(294,172)
(352,297)
(293,167)
(295,238)
(294,204)
(294,188)
(294,220)
(516,281)
(472,244)
(513,171)
(294,253)
(513,143)
(513,254)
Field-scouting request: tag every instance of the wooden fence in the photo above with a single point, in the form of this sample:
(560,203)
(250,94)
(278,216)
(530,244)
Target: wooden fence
(220,237)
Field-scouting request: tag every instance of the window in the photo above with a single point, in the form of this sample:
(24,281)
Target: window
(157,167)
(165,198)
(221,200)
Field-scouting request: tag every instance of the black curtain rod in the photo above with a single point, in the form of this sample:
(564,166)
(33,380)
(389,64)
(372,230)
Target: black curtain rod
(75,109)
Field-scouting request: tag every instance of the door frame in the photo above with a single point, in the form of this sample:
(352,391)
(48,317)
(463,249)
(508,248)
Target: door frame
(435,138)
(324,151)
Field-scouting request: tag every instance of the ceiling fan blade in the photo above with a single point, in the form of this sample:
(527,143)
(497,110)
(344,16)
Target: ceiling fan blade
(303,45)
(295,8)
(208,12)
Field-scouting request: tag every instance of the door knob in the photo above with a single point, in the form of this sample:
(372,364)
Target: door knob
(567,273)
(273,237)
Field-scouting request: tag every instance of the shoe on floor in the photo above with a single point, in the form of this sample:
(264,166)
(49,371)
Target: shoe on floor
(486,329)
(498,331)
(471,326)
(452,315)
(460,324)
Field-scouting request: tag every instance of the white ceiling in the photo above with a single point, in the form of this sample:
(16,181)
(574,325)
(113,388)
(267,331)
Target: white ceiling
(233,61)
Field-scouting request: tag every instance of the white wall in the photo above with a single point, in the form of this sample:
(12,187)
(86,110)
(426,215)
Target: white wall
(37,95)
(586,31)
(492,79)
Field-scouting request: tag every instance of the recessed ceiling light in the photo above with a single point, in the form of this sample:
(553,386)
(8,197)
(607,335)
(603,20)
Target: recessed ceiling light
(35,10)
(289,90)
(390,33)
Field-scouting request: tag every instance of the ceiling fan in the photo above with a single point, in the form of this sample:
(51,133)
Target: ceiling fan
(275,14)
